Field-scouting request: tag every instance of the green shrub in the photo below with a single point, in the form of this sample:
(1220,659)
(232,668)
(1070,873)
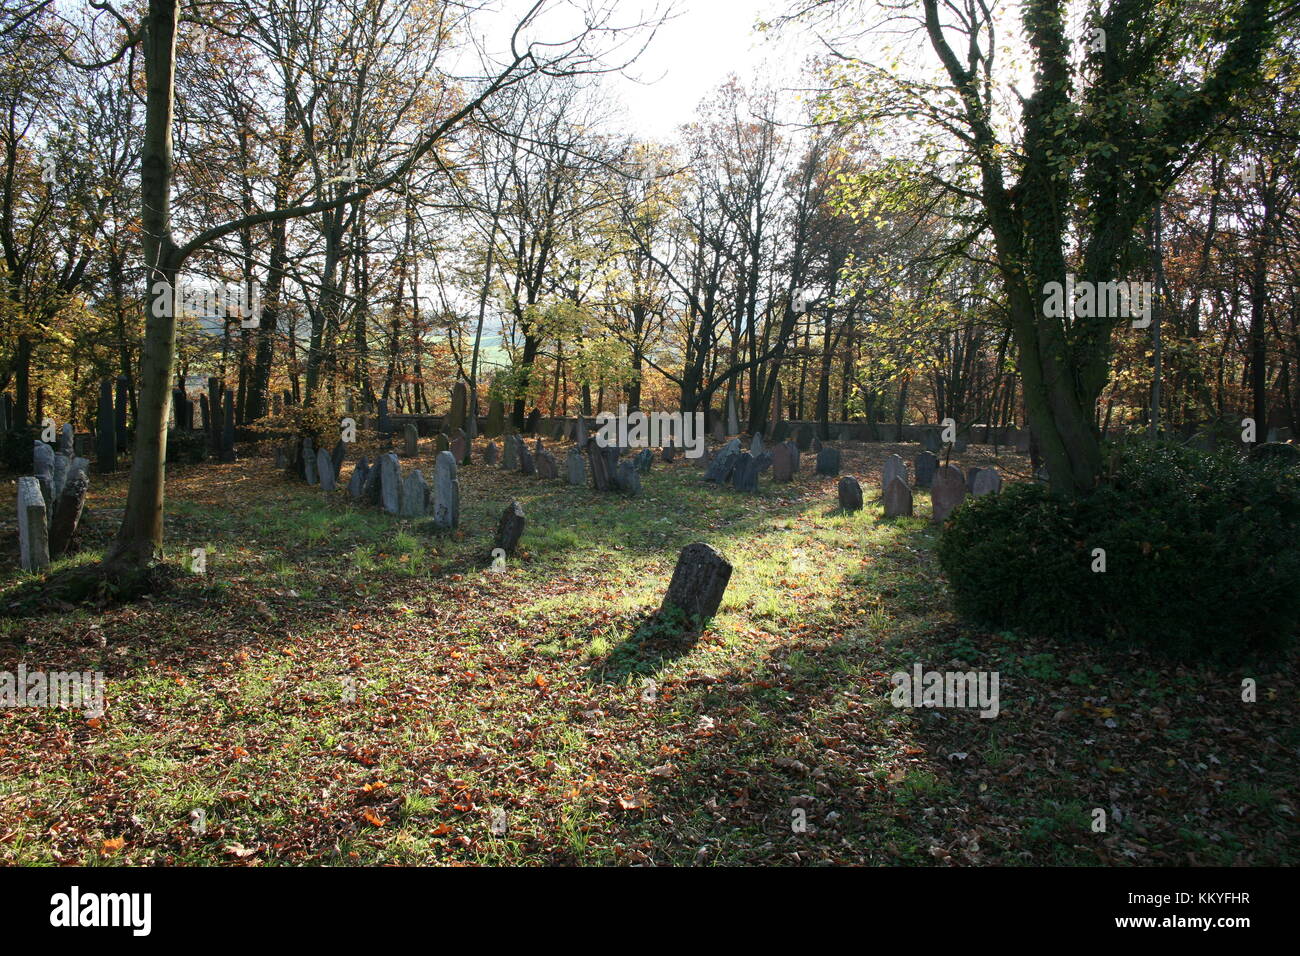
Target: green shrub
(1202,555)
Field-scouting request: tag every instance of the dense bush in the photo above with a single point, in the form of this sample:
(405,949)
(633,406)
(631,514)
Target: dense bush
(1202,554)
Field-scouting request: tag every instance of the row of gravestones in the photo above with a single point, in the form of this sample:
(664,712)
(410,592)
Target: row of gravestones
(50,502)
(381,484)
(742,468)
(948,486)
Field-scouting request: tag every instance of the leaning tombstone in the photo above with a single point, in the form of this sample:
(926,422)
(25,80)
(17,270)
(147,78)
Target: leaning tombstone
(987,482)
(698,584)
(33,527)
(446,492)
(43,468)
(828,461)
(411,440)
(459,447)
(947,493)
(927,465)
(898,499)
(602,471)
(850,493)
(744,477)
(67,514)
(510,528)
(526,464)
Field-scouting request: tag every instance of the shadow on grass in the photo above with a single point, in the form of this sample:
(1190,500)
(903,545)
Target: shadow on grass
(657,639)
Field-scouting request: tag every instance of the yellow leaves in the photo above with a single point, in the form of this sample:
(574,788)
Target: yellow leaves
(112,846)
(374,787)
(373,818)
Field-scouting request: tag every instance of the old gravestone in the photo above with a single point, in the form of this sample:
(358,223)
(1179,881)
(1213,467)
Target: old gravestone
(698,584)
(105,430)
(496,416)
(931,441)
(850,493)
(526,464)
(337,458)
(325,470)
(948,491)
(358,480)
(61,465)
(575,468)
(744,476)
(581,434)
(510,528)
(510,460)
(547,466)
(411,440)
(828,461)
(987,482)
(491,454)
(66,436)
(927,465)
(33,526)
(733,417)
(459,408)
(756,446)
(898,498)
(628,478)
(446,492)
(894,467)
(643,461)
(782,463)
(459,447)
(415,495)
(67,513)
(43,468)
(390,483)
(309,461)
(669,453)
(724,462)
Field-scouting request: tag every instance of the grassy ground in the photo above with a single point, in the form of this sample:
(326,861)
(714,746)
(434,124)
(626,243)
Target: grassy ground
(345,687)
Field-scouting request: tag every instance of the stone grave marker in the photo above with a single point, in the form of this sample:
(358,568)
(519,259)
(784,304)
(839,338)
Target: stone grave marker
(67,513)
(575,467)
(894,467)
(850,492)
(698,584)
(390,483)
(927,465)
(987,482)
(947,493)
(325,470)
(828,461)
(415,495)
(510,528)
(446,492)
(898,498)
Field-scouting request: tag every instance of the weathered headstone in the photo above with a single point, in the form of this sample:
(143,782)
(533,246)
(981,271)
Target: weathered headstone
(782,463)
(987,482)
(733,416)
(459,407)
(547,466)
(491,454)
(628,478)
(411,442)
(66,440)
(510,528)
(390,483)
(526,464)
(61,465)
(894,467)
(325,470)
(669,453)
(898,498)
(582,434)
(310,460)
(67,513)
(604,462)
(971,474)
(724,462)
(43,468)
(927,464)
(698,584)
(415,495)
(850,493)
(644,460)
(33,526)
(337,458)
(495,420)
(744,477)
(358,480)
(828,461)
(446,492)
(948,491)
(510,460)
(931,440)
(756,445)
(441,443)
(459,447)
(575,467)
